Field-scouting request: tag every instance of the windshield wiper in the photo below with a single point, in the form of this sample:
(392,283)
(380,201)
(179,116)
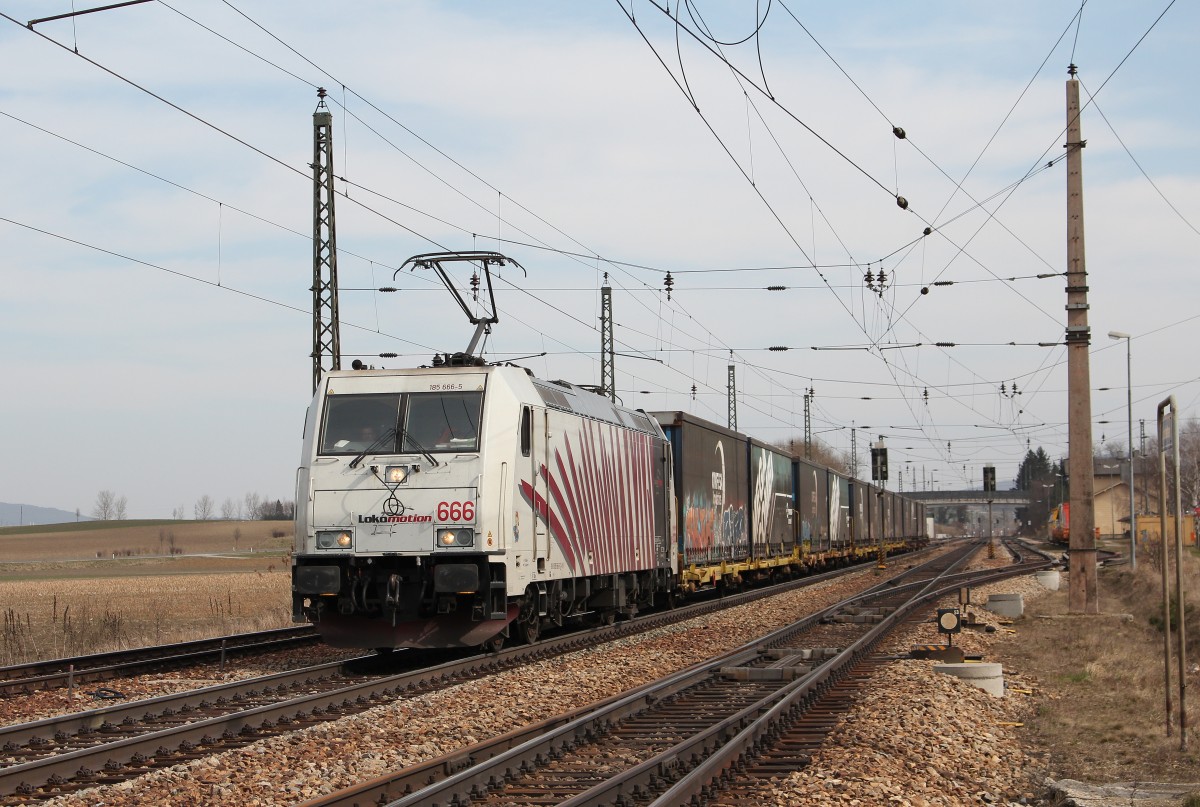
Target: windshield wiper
(406,438)
(387,435)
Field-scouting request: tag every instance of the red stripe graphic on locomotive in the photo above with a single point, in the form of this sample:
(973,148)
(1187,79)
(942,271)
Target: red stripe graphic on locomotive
(641,485)
(591,475)
(571,510)
(541,509)
(621,472)
(627,553)
(599,508)
(565,528)
(577,484)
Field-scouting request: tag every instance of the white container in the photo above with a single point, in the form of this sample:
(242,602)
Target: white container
(1009,605)
(1048,579)
(988,677)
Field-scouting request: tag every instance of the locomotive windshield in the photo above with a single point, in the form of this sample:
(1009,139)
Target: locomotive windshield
(394,423)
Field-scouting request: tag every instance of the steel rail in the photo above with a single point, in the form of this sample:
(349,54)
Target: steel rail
(722,745)
(61,672)
(448,778)
(96,720)
(720,765)
(51,775)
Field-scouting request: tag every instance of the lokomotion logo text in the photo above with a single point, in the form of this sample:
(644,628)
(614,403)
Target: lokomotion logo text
(414,519)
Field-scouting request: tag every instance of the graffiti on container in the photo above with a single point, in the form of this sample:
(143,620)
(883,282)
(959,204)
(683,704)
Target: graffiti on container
(708,526)
(713,524)
(835,511)
(769,506)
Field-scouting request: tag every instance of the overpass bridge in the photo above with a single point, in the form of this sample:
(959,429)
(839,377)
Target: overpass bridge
(967,510)
(1018,498)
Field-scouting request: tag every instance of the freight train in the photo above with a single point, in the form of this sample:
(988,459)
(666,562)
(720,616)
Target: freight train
(464,503)
(461,504)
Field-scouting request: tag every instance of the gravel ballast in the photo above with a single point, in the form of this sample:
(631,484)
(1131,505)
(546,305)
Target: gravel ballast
(916,738)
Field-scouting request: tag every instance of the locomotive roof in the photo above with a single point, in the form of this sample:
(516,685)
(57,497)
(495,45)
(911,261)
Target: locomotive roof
(573,398)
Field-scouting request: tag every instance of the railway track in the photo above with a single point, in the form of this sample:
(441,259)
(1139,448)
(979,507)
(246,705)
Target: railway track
(66,672)
(65,754)
(708,733)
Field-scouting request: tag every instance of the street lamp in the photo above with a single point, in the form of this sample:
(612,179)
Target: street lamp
(1129,411)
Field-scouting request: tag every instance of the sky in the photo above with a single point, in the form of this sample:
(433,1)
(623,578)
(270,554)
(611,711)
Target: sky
(158,221)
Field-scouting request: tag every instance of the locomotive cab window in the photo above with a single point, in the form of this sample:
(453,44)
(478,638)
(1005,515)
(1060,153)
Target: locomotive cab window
(356,423)
(431,421)
(443,421)
(526,431)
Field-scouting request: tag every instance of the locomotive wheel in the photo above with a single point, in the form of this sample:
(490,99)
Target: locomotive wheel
(494,644)
(528,630)
(528,623)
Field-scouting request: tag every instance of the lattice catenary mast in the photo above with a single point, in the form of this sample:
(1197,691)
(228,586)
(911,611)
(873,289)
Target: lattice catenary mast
(731,393)
(608,370)
(327,343)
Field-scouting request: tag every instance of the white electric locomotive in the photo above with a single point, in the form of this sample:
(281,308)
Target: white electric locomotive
(453,505)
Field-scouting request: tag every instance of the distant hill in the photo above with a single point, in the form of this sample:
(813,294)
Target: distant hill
(12,515)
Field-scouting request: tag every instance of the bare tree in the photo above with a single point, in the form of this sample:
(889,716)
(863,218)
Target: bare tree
(105,501)
(1149,478)
(253,505)
(120,508)
(204,508)
(1189,463)
(227,510)
(178,513)
(820,454)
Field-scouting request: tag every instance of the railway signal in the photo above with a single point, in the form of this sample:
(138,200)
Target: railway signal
(989,486)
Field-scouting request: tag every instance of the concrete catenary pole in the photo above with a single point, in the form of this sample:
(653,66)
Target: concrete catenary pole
(1083,596)
(1173,618)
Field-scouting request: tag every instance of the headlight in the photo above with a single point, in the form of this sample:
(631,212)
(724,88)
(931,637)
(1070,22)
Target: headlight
(334,539)
(396,474)
(463,536)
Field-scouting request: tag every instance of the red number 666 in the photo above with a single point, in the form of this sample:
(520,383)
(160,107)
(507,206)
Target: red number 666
(456,511)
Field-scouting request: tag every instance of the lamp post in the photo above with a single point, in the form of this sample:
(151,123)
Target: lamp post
(1129,410)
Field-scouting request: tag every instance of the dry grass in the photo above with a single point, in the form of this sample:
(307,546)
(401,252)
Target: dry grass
(103,540)
(62,592)
(1101,716)
(75,617)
